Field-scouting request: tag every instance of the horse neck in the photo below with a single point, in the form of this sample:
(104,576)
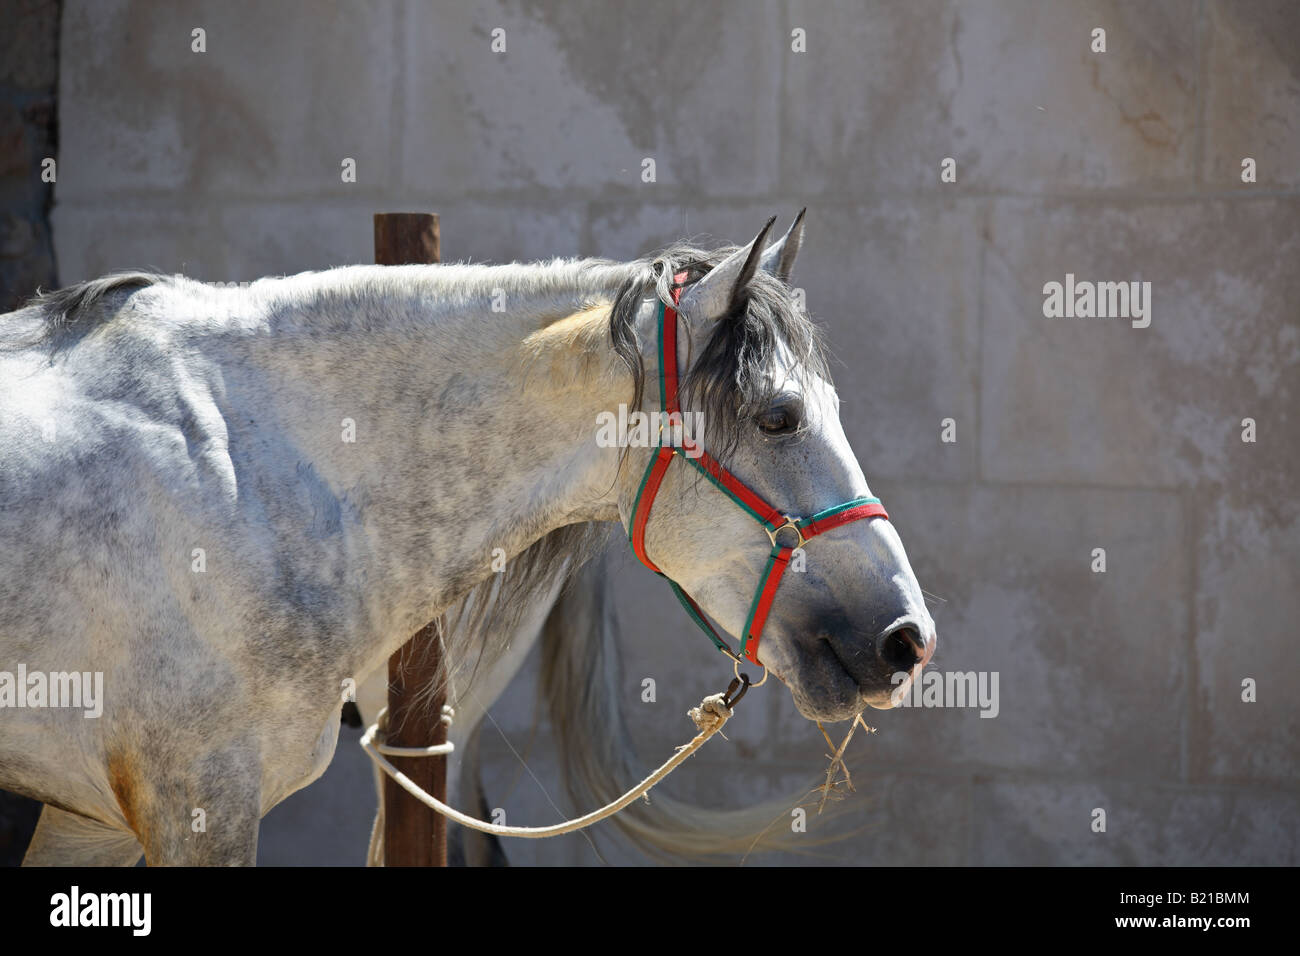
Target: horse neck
(474,428)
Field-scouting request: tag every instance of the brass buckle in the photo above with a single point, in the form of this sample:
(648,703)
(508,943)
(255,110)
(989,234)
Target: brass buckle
(789,523)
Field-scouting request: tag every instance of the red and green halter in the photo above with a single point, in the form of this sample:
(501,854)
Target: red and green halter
(780,527)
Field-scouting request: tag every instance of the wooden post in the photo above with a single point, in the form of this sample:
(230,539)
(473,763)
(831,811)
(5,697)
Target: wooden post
(414,835)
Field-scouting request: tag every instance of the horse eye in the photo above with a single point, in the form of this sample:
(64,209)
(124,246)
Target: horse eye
(778,420)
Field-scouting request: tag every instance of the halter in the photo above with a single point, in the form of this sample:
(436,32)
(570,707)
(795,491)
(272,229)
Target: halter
(778,526)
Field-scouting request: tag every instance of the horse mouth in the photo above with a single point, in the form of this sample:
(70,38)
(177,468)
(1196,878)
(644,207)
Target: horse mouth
(830,691)
(835,696)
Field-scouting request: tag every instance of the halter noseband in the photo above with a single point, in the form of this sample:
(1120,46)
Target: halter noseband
(774,522)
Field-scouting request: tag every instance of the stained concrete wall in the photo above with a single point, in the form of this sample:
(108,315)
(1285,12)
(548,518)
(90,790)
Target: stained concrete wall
(29,74)
(1119,690)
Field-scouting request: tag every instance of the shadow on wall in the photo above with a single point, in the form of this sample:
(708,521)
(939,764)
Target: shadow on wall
(29,74)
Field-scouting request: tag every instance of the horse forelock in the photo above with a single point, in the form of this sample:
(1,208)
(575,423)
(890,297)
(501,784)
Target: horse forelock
(729,376)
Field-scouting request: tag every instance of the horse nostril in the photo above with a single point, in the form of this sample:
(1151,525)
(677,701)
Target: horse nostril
(901,649)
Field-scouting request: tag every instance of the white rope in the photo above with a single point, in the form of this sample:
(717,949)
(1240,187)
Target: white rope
(709,717)
(434,750)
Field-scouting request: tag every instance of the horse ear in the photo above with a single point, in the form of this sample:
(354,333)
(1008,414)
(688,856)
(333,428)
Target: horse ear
(722,289)
(778,258)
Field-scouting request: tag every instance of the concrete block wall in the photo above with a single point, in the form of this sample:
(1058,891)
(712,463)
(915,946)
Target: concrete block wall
(29,70)
(29,73)
(1119,690)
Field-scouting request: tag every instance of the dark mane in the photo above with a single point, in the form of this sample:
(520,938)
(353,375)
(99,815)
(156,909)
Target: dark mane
(70,312)
(729,380)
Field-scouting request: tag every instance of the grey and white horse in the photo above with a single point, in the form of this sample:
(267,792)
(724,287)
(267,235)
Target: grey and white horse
(225,505)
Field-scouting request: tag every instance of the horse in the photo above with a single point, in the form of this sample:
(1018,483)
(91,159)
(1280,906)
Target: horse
(227,503)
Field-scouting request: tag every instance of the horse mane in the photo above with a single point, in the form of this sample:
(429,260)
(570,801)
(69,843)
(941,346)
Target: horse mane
(488,616)
(71,312)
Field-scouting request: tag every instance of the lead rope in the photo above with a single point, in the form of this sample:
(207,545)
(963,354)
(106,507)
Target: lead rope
(713,711)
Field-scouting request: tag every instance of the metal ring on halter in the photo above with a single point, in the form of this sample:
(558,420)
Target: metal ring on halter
(736,661)
(793,525)
(735,666)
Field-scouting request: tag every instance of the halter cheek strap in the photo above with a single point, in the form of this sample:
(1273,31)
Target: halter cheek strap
(794,532)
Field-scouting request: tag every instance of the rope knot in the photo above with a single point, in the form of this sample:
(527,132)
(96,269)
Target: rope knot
(712,713)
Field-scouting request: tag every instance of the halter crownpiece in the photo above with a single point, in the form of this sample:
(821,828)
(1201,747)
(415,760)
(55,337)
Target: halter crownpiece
(778,525)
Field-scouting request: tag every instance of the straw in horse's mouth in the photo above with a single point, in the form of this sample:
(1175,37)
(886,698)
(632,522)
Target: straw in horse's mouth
(832,785)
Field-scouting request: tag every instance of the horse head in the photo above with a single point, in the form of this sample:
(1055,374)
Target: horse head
(802,565)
